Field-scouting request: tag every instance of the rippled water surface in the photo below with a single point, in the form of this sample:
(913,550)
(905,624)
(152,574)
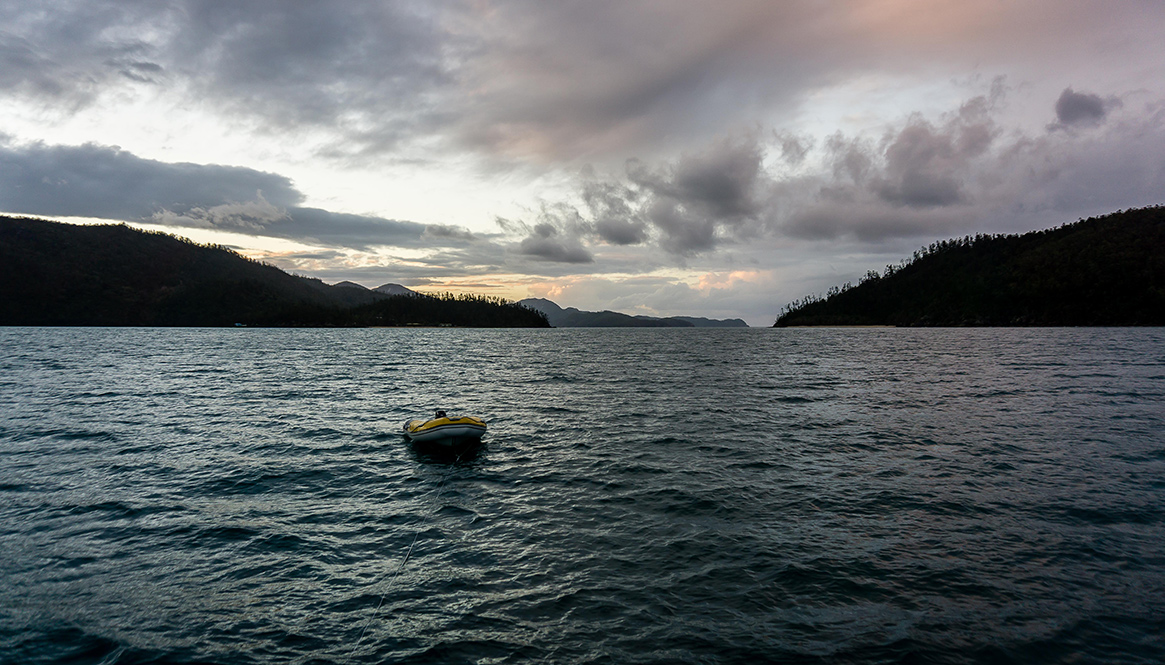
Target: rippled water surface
(643,496)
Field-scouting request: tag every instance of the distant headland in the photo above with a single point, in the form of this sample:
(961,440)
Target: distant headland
(571,317)
(1103,271)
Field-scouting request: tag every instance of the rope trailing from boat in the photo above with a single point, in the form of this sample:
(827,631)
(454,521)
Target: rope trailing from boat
(409,551)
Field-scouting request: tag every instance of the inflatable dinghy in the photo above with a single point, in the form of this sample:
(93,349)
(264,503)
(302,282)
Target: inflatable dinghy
(444,430)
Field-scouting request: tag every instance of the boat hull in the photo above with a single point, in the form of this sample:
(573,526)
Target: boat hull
(445,431)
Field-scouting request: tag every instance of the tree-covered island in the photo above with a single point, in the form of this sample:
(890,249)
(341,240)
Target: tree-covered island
(1102,271)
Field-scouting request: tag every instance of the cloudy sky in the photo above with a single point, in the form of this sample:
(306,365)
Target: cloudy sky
(665,157)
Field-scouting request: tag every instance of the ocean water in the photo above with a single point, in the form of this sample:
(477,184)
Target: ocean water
(643,496)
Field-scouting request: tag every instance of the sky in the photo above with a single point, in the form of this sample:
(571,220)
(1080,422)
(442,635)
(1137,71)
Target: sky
(670,157)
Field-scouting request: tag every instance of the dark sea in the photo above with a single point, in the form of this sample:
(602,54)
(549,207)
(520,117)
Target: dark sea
(642,496)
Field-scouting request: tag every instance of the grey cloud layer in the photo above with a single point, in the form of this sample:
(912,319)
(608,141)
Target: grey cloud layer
(962,173)
(361,67)
(102,181)
(106,182)
(563,80)
(524,79)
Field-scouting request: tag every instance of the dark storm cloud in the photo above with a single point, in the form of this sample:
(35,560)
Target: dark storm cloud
(917,165)
(448,232)
(621,231)
(703,197)
(924,164)
(1074,108)
(681,232)
(612,207)
(103,181)
(872,223)
(1077,109)
(110,183)
(720,183)
(689,206)
(142,72)
(548,243)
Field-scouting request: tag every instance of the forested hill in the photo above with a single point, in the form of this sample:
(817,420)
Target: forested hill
(113,275)
(1104,271)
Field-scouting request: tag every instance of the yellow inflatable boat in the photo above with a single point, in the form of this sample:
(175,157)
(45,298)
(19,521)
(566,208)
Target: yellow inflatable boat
(445,430)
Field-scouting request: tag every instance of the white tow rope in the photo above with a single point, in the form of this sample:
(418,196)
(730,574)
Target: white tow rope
(408,552)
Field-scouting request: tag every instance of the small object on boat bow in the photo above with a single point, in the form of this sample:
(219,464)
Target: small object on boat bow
(445,430)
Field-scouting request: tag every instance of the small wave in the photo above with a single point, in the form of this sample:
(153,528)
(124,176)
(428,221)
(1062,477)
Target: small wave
(121,509)
(990,394)
(672,501)
(457,511)
(758,465)
(1112,515)
(63,434)
(230,534)
(556,409)
(322,433)
(276,542)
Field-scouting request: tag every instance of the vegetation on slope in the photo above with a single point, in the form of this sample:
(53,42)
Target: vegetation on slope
(1107,270)
(444,309)
(64,274)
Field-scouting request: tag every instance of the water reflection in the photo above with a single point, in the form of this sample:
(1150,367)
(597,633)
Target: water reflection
(467,454)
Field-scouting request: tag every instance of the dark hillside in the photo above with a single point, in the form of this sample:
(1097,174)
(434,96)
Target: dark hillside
(1104,271)
(113,275)
(65,274)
